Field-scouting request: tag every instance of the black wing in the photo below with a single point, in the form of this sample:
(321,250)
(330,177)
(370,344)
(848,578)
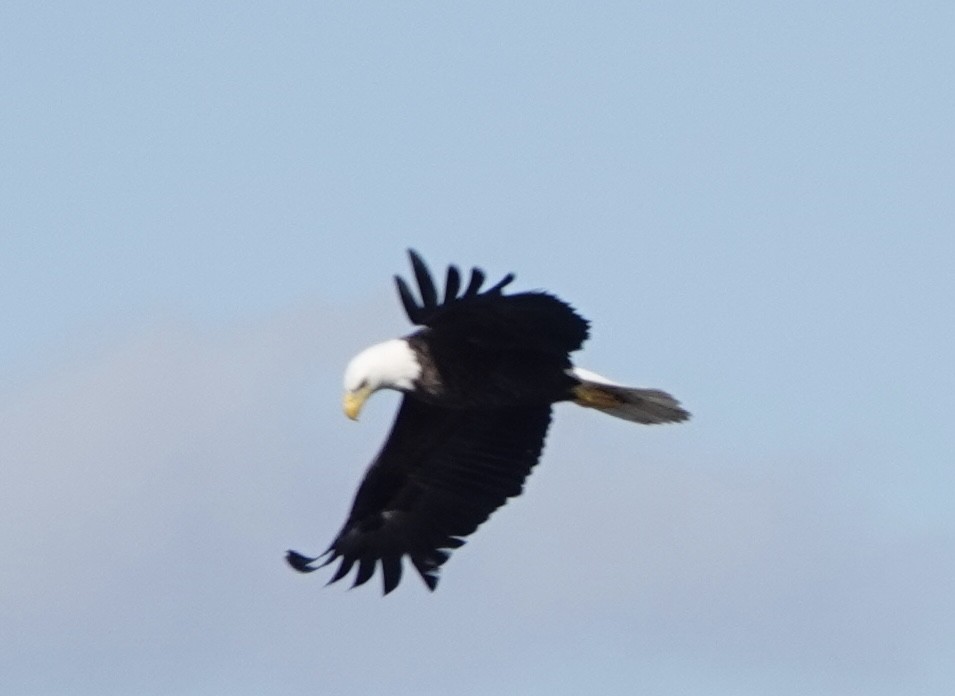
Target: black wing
(529,320)
(440,474)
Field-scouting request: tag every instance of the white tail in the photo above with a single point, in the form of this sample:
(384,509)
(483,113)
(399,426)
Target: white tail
(638,405)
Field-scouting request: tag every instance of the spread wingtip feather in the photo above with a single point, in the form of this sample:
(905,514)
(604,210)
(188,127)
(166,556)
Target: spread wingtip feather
(422,309)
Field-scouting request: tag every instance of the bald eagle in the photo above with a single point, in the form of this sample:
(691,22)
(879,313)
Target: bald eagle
(479,380)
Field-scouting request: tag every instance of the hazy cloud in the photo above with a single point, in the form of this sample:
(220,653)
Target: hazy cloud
(149,491)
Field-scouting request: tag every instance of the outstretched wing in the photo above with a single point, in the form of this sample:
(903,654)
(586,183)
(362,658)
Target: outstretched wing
(440,474)
(528,320)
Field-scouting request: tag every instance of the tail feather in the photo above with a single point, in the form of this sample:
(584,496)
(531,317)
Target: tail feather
(648,406)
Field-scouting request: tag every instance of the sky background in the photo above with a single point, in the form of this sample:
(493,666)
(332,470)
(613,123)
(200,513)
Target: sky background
(202,206)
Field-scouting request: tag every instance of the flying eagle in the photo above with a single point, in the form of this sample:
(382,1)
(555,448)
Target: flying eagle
(478,380)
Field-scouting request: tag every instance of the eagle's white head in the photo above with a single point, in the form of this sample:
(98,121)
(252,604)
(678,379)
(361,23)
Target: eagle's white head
(389,365)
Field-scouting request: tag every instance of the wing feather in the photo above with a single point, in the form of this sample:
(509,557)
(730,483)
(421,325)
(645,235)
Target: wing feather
(429,295)
(343,569)
(408,301)
(452,284)
(477,280)
(390,572)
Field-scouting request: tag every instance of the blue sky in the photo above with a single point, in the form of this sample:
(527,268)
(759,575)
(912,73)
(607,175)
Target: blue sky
(202,207)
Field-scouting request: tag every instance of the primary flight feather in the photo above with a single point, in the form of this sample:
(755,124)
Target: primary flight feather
(479,380)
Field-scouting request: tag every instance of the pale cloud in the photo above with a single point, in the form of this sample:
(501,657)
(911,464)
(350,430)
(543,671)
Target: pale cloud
(149,490)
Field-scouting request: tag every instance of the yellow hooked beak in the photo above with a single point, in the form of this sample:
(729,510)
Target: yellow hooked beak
(354,400)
